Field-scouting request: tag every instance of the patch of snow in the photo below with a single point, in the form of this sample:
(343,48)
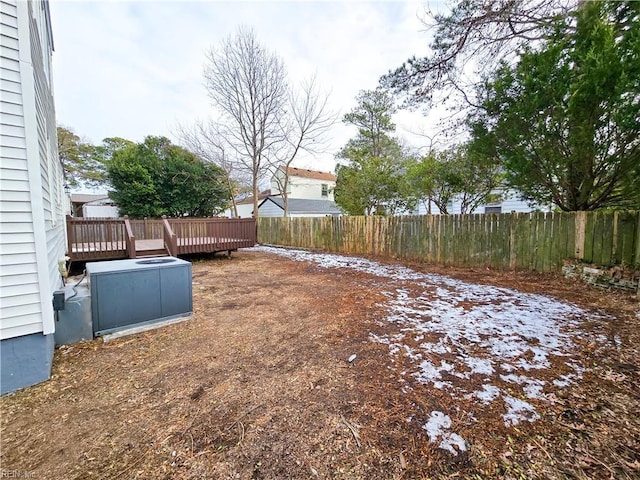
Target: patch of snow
(563,381)
(517,411)
(533,389)
(482,366)
(487,395)
(411,353)
(440,347)
(480,326)
(530,386)
(437,427)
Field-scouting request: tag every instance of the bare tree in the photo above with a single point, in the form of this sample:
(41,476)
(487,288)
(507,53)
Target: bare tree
(204,139)
(303,130)
(248,85)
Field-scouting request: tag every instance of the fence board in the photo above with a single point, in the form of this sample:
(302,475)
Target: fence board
(627,227)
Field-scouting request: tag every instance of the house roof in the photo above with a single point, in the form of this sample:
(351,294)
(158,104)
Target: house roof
(249,200)
(100,201)
(85,198)
(300,172)
(303,205)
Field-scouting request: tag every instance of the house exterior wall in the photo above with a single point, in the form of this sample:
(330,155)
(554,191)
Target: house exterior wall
(270,209)
(509,202)
(102,211)
(245,210)
(32,200)
(303,187)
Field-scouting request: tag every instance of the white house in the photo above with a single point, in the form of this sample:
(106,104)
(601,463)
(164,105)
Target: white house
(92,206)
(103,208)
(310,194)
(507,201)
(244,205)
(303,183)
(32,199)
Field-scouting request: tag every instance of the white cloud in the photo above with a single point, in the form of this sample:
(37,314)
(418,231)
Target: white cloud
(132,69)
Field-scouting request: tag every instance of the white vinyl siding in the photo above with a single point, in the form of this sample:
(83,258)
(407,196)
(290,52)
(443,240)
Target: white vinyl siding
(509,202)
(310,188)
(32,235)
(303,187)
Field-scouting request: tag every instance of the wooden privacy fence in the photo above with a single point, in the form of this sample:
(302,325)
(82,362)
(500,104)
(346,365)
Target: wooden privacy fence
(509,241)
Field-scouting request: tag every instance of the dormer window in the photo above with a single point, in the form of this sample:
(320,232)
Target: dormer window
(325,190)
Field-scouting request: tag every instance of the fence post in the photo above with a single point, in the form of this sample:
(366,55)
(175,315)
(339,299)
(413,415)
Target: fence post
(580,219)
(636,258)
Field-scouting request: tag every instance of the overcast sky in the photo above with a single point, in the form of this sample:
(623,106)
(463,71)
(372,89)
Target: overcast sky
(132,69)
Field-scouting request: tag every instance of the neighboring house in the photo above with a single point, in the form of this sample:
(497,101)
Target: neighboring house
(32,198)
(244,205)
(103,208)
(79,199)
(310,194)
(508,201)
(307,184)
(85,205)
(298,207)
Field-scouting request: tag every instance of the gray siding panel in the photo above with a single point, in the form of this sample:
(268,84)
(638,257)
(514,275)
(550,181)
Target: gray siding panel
(270,209)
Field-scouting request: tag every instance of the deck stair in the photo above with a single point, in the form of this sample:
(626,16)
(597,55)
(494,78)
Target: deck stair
(153,247)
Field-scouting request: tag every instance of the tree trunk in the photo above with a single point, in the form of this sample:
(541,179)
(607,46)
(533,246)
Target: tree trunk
(285,194)
(255,199)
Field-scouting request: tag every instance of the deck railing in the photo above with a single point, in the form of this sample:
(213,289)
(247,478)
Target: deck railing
(147,228)
(96,238)
(198,235)
(109,238)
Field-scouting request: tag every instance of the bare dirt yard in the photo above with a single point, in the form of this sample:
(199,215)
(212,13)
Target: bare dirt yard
(457,373)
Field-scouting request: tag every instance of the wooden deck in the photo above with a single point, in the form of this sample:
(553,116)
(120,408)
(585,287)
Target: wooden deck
(107,238)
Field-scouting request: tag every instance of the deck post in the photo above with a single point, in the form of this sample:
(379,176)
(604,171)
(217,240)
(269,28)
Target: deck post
(170,238)
(130,240)
(70,236)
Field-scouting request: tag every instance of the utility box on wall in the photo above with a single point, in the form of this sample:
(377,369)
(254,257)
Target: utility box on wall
(126,293)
